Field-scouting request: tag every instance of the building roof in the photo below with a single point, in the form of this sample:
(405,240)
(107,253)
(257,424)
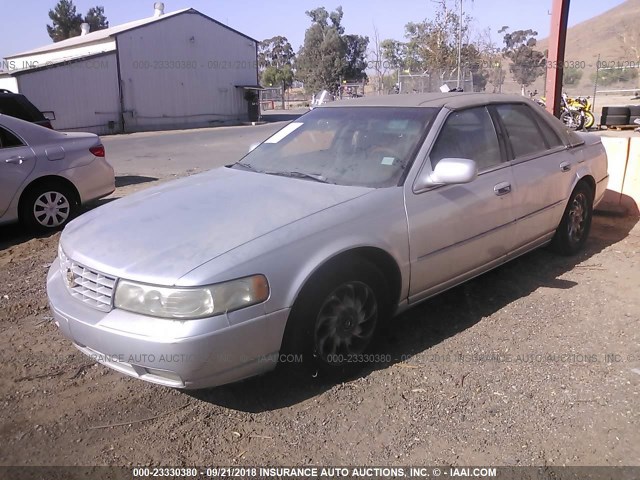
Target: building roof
(100,35)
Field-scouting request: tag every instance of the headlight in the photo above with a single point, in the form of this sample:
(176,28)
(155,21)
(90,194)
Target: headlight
(190,303)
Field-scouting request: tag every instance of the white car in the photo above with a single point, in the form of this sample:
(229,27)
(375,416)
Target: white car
(341,220)
(46,175)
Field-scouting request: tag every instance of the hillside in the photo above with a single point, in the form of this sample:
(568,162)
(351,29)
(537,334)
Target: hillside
(602,35)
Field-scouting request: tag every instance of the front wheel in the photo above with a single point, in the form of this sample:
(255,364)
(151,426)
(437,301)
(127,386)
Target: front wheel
(336,316)
(589,119)
(575,225)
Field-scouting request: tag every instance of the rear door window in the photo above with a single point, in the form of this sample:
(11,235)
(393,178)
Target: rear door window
(550,136)
(8,139)
(522,129)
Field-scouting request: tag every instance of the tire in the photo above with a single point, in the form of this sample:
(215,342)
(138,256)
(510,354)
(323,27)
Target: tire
(48,207)
(572,120)
(575,225)
(615,111)
(612,120)
(326,328)
(589,120)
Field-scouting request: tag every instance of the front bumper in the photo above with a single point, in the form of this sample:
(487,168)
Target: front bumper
(182,354)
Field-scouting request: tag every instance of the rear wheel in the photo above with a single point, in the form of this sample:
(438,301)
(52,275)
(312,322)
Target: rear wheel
(48,207)
(575,225)
(336,316)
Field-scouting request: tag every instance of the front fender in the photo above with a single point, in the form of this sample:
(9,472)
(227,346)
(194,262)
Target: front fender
(289,256)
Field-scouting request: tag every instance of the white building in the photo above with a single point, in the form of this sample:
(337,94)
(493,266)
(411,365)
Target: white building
(175,70)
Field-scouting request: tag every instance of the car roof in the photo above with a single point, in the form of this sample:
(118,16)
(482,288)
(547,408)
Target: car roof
(16,104)
(456,101)
(7,94)
(450,100)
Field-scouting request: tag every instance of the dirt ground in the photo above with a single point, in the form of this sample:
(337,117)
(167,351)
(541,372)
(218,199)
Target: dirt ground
(509,369)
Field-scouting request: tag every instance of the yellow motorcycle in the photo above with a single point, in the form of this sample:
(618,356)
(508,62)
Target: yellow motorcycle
(576,113)
(584,104)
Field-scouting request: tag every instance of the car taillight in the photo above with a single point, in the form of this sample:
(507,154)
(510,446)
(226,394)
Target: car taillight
(98,150)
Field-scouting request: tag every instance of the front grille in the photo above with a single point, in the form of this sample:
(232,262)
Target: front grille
(91,287)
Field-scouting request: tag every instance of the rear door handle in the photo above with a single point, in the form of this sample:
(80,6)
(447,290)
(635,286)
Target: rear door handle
(16,160)
(565,166)
(502,188)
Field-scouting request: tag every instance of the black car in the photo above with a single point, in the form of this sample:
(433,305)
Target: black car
(17,105)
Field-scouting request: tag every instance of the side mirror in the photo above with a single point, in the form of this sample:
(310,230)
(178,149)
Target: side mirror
(448,171)
(252,147)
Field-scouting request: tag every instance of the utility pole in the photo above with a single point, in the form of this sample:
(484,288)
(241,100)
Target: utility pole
(595,84)
(557,42)
(460,43)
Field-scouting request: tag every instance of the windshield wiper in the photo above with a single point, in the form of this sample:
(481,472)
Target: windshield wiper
(310,176)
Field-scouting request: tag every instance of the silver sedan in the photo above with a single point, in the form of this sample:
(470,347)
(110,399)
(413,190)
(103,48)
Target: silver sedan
(46,175)
(340,221)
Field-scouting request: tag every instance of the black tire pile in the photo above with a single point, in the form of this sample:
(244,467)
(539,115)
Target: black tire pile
(617,116)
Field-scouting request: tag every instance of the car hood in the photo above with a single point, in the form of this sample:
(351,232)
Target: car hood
(160,234)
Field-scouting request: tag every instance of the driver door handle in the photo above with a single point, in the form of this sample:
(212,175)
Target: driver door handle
(502,188)
(15,160)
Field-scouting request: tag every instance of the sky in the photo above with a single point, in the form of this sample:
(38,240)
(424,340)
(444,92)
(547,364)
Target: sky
(22,22)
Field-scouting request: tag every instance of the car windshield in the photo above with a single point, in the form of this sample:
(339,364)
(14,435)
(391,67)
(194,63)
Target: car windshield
(360,146)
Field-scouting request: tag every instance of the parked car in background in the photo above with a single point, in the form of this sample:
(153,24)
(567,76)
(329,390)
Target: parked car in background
(18,106)
(344,218)
(321,98)
(46,175)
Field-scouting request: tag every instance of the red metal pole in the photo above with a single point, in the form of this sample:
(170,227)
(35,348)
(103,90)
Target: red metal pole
(555,59)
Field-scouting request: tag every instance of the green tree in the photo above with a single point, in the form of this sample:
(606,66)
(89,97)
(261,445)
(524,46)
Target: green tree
(328,55)
(379,64)
(491,60)
(494,72)
(470,58)
(96,19)
(394,53)
(610,76)
(431,46)
(275,61)
(571,76)
(527,64)
(355,57)
(394,56)
(66,20)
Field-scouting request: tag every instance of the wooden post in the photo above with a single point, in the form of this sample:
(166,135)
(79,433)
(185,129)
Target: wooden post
(555,59)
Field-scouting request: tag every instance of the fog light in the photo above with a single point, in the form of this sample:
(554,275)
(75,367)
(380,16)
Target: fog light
(164,374)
